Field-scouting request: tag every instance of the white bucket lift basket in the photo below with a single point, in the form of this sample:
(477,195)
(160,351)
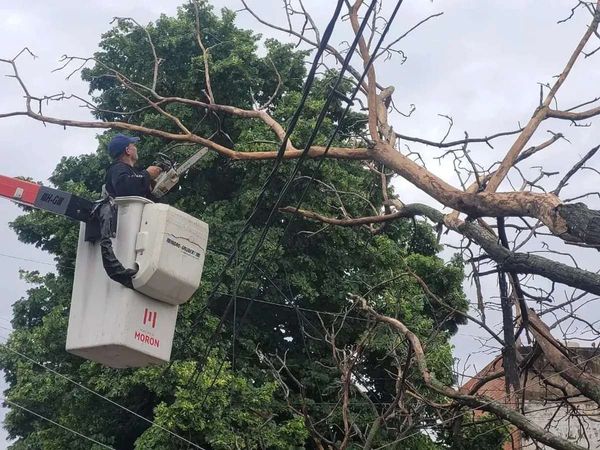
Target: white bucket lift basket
(121,327)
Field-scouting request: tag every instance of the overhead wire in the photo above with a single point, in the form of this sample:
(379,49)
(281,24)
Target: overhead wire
(321,116)
(64,427)
(91,391)
(277,162)
(302,157)
(319,121)
(336,130)
(279,158)
(265,302)
(299,162)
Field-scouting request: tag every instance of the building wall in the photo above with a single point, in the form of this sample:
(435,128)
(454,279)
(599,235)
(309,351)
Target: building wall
(543,404)
(583,429)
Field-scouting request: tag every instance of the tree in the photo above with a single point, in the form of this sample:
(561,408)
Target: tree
(493,218)
(294,358)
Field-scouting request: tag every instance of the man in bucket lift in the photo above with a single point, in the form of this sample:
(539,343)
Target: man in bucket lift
(122,177)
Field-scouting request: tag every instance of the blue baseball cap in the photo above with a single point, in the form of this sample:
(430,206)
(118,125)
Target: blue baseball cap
(119,143)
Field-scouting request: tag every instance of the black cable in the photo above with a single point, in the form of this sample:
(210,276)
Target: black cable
(350,101)
(332,95)
(284,190)
(279,158)
(302,158)
(349,104)
(333,135)
(282,148)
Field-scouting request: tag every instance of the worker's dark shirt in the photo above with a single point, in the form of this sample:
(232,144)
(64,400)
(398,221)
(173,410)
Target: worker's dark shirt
(123,180)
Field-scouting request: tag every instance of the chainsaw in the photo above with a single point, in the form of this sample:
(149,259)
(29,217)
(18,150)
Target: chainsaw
(172,172)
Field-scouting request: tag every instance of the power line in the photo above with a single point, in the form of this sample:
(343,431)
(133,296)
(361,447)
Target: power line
(315,129)
(281,152)
(64,427)
(32,260)
(97,394)
(254,299)
(294,307)
(302,157)
(299,163)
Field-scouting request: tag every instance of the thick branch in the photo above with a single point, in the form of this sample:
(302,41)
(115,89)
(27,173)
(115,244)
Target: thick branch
(406,212)
(314,152)
(528,263)
(205,54)
(477,402)
(587,384)
(542,111)
(507,260)
(584,226)
(371,78)
(574,116)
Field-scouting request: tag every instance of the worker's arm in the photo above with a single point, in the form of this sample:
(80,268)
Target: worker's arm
(129,182)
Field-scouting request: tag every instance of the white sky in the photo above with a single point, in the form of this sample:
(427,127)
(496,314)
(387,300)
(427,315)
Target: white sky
(480,63)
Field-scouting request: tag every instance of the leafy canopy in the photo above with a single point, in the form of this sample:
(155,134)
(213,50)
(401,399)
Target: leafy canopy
(222,401)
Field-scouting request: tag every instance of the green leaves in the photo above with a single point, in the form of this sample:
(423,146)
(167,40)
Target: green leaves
(293,294)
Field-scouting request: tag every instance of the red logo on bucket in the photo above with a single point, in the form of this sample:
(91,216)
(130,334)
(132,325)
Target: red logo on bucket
(150,317)
(146,339)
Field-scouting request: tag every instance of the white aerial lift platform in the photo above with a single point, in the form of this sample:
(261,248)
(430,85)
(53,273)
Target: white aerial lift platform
(110,323)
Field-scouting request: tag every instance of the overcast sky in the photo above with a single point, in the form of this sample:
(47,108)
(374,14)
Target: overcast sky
(479,62)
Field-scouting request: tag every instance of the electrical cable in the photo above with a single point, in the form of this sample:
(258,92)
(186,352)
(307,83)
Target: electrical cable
(336,130)
(334,134)
(265,302)
(279,158)
(301,160)
(284,190)
(303,155)
(97,394)
(30,411)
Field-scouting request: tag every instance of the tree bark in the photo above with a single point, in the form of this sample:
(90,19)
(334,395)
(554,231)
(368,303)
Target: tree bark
(573,373)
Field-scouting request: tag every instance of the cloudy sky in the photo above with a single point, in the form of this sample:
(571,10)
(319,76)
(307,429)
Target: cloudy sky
(480,62)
